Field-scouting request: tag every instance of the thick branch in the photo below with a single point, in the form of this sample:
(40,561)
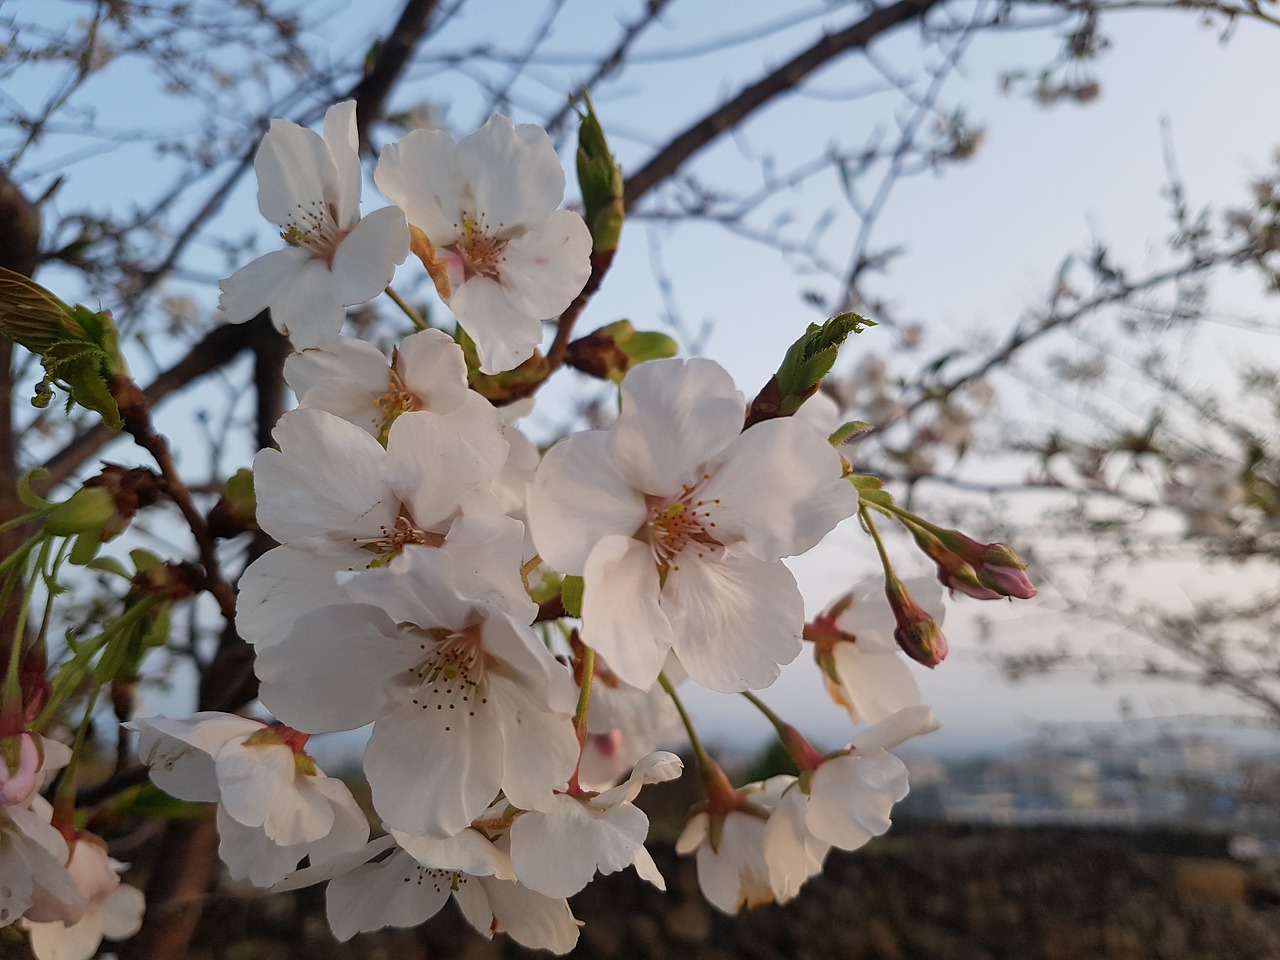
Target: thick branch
(393,55)
(671,157)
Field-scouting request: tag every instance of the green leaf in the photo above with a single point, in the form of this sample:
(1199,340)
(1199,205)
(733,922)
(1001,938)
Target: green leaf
(571,596)
(849,430)
(110,565)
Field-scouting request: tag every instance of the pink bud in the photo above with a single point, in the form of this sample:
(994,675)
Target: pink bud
(917,633)
(20,763)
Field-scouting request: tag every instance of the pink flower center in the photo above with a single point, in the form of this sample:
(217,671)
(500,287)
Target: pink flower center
(679,527)
(314,225)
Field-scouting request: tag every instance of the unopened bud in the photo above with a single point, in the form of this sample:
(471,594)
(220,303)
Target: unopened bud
(917,633)
(1006,573)
(984,571)
(20,763)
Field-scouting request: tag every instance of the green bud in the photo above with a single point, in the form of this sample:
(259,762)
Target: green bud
(611,351)
(600,180)
(806,362)
(80,349)
(87,511)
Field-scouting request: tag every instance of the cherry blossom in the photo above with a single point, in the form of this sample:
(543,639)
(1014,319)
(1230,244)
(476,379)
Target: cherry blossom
(861,663)
(353,380)
(557,851)
(677,520)
(501,255)
(112,909)
(33,855)
(309,186)
(730,855)
(402,881)
(844,801)
(465,701)
(336,500)
(265,787)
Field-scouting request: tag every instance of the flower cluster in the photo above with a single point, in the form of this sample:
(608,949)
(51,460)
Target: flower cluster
(510,625)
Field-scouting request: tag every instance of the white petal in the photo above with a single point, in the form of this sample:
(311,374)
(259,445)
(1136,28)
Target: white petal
(513,171)
(398,892)
(543,270)
(308,310)
(577,499)
(621,615)
(342,139)
(431,366)
(779,489)
(539,747)
(433,771)
(734,622)
(180,753)
(338,358)
(504,336)
(416,175)
(284,584)
(851,798)
(874,683)
(294,167)
(260,283)
(469,852)
(906,723)
(647,870)
(327,482)
(676,416)
(122,914)
(342,667)
(366,260)
(539,922)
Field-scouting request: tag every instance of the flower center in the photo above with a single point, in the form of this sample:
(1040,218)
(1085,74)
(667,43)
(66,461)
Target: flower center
(679,527)
(479,249)
(395,538)
(314,225)
(397,400)
(451,675)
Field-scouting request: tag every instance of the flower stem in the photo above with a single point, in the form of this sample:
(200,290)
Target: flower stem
(870,527)
(704,761)
(417,321)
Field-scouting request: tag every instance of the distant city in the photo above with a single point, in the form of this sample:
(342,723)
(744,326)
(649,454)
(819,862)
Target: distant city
(1181,780)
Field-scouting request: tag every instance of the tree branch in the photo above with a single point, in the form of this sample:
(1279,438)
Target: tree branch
(371,93)
(670,158)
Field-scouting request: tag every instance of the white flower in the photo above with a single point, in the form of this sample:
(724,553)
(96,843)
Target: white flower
(502,256)
(33,855)
(677,520)
(351,379)
(113,910)
(265,787)
(732,870)
(861,663)
(386,885)
(557,851)
(844,802)
(464,700)
(336,500)
(310,187)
